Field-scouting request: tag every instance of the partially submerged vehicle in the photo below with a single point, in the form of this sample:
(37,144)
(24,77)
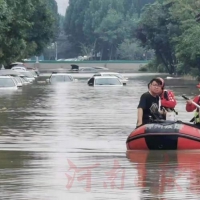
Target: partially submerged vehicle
(16,64)
(30,76)
(93,69)
(118,75)
(60,77)
(8,82)
(18,68)
(97,81)
(20,78)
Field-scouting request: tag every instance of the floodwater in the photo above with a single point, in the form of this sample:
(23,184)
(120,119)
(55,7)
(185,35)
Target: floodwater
(68,141)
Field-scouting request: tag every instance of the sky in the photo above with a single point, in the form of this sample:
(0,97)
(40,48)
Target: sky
(62,5)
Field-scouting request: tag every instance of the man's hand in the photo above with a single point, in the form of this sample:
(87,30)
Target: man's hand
(189,101)
(139,123)
(162,112)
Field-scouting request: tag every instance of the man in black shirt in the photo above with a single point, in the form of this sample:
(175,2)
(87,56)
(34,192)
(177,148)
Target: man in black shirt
(149,103)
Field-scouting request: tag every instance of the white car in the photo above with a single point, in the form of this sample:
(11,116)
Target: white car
(118,75)
(28,74)
(18,68)
(60,77)
(18,81)
(8,82)
(104,81)
(24,79)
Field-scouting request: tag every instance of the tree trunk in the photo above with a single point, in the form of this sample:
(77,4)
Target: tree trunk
(111,49)
(164,61)
(101,53)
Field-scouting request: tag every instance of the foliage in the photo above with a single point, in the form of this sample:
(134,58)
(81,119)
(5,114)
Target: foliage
(187,43)
(155,31)
(74,21)
(155,66)
(130,50)
(107,23)
(26,27)
(169,28)
(143,69)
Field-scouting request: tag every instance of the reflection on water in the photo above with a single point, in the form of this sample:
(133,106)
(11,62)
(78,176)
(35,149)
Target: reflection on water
(168,174)
(67,141)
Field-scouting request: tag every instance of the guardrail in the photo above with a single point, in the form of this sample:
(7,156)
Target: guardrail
(90,61)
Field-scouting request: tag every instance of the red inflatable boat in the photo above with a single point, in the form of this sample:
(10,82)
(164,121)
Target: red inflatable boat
(164,135)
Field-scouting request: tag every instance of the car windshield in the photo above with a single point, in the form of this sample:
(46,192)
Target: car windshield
(61,78)
(107,81)
(119,76)
(33,72)
(18,79)
(6,82)
(97,74)
(24,78)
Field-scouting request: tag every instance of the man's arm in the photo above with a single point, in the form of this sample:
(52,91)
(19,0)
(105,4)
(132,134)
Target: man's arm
(139,116)
(141,106)
(191,107)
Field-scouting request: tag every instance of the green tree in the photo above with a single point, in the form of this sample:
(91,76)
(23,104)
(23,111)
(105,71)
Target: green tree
(5,18)
(28,27)
(74,22)
(155,31)
(131,50)
(103,23)
(187,46)
(107,25)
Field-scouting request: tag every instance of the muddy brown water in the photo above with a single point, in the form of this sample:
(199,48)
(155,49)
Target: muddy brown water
(67,141)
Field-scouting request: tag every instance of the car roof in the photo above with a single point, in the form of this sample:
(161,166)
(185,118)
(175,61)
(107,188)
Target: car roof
(17,66)
(9,71)
(105,77)
(107,73)
(7,76)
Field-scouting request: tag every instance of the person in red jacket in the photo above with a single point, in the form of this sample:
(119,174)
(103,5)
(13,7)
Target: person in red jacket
(191,107)
(167,97)
(167,100)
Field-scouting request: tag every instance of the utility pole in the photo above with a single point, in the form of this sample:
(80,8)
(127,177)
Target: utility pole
(36,59)
(56,58)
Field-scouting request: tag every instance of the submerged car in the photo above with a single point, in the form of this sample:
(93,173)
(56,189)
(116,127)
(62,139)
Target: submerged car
(18,68)
(16,64)
(20,78)
(28,74)
(60,77)
(118,75)
(104,81)
(8,82)
(94,69)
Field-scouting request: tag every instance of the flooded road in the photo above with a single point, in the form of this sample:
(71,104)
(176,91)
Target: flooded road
(68,141)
